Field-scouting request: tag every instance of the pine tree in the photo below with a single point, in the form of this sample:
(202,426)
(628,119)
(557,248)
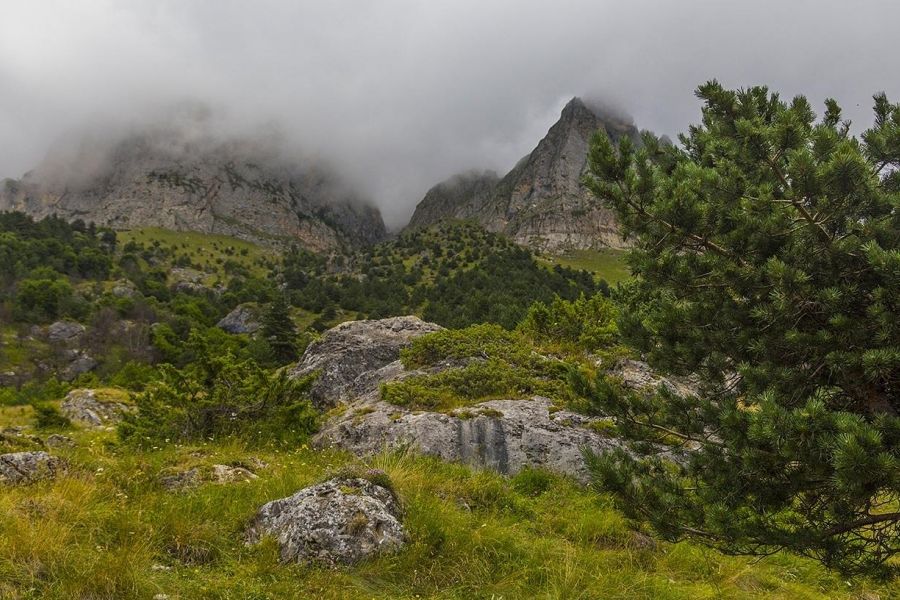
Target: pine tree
(767,254)
(279,331)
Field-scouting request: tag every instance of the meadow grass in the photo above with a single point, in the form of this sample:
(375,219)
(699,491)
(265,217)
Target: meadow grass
(108,529)
(606,264)
(207,250)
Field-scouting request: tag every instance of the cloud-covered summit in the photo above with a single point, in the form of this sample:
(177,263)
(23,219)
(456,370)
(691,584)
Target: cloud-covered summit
(401,93)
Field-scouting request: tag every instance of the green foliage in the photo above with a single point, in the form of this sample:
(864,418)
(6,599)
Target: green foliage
(33,392)
(217,395)
(454,274)
(587,324)
(479,363)
(768,256)
(48,416)
(279,332)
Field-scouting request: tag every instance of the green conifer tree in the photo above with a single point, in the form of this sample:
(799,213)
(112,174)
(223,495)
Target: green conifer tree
(767,250)
(279,331)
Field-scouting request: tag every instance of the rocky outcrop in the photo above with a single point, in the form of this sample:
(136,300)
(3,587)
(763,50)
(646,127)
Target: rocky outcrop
(541,203)
(355,358)
(65,332)
(503,435)
(244,318)
(339,522)
(176,480)
(459,197)
(77,362)
(637,375)
(28,467)
(351,359)
(93,409)
(179,175)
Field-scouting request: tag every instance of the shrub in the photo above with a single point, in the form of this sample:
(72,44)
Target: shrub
(47,416)
(219,394)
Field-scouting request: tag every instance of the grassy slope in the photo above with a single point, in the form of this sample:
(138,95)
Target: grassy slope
(607,264)
(107,530)
(209,251)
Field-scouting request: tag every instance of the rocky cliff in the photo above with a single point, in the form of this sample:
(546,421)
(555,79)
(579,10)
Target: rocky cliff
(176,178)
(541,202)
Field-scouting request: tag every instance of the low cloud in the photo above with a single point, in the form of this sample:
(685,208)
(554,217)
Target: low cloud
(400,94)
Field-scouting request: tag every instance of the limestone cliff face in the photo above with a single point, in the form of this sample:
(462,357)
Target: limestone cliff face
(165,177)
(459,197)
(541,202)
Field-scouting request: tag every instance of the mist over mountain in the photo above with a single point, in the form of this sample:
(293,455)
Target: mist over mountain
(541,202)
(185,171)
(402,94)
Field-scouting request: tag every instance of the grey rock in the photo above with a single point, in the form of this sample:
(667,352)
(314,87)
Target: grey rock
(541,203)
(65,331)
(243,319)
(80,362)
(503,435)
(123,288)
(638,375)
(348,357)
(59,441)
(339,522)
(181,480)
(86,407)
(457,198)
(181,174)
(230,474)
(29,467)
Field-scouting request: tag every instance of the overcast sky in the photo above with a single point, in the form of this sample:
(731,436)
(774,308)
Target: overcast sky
(402,94)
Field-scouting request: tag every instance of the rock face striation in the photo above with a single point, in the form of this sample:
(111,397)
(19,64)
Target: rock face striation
(504,435)
(541,203)
(28,467)
(178,175)
(339,522)
(352,358)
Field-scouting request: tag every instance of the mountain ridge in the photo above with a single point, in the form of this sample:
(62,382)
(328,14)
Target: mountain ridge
(166,177)
(541,203)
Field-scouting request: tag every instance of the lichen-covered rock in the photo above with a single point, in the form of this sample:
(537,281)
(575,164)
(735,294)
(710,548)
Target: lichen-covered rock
(59,441)
(230,474)
(339,522)
(93,409)
(502,435)
(80,362)
(124,288)
(29,467)
(180,479)
(348,357)
(64,331)
(637,375)
(175,481)
(243,319)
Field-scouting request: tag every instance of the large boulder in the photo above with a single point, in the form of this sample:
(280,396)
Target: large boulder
(339,522)
(348,357)
(28,467)
(95,408)
(243,319)
(64,332)
(502,435)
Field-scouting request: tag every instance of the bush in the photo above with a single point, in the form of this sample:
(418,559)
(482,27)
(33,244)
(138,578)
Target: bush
(219,394)
(47,416)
